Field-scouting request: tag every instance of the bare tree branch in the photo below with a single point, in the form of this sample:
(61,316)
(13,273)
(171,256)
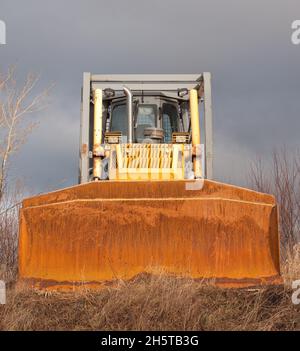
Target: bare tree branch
(17,105)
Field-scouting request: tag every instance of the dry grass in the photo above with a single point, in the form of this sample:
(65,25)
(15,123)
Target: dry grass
(153,303)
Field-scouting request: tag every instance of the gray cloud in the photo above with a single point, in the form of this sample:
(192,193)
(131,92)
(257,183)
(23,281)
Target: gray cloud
(246,45)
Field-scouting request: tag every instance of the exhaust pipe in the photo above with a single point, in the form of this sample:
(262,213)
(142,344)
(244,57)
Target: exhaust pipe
(128,93)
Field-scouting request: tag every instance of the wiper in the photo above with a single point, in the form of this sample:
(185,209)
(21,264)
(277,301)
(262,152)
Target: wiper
(135,113)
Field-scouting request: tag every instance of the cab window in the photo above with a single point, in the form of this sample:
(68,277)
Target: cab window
(119,121)
(169,121)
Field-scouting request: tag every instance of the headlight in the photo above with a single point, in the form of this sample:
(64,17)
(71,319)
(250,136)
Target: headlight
(182,92)
(109,93)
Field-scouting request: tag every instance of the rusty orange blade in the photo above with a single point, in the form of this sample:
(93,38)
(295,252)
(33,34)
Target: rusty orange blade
(98,232)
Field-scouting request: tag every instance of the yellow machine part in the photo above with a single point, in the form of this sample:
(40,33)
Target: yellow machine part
(147,161)
(98,232)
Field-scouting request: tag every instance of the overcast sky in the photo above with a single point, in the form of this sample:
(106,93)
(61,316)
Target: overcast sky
(245,44)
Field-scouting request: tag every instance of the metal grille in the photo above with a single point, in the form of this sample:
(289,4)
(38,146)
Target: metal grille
(147,161)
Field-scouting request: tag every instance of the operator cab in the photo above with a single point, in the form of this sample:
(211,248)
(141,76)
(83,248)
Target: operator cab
(155,118)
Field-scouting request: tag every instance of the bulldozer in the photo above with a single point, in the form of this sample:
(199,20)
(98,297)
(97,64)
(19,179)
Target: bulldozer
(146,201)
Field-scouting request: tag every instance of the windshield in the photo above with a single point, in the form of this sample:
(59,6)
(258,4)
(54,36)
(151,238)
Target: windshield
(146,117)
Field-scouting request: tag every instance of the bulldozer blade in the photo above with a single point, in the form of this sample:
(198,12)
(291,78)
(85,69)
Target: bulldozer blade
(96,233)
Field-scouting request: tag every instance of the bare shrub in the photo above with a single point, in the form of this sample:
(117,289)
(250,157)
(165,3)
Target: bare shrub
(290,266)
(9,228)
(282,178)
